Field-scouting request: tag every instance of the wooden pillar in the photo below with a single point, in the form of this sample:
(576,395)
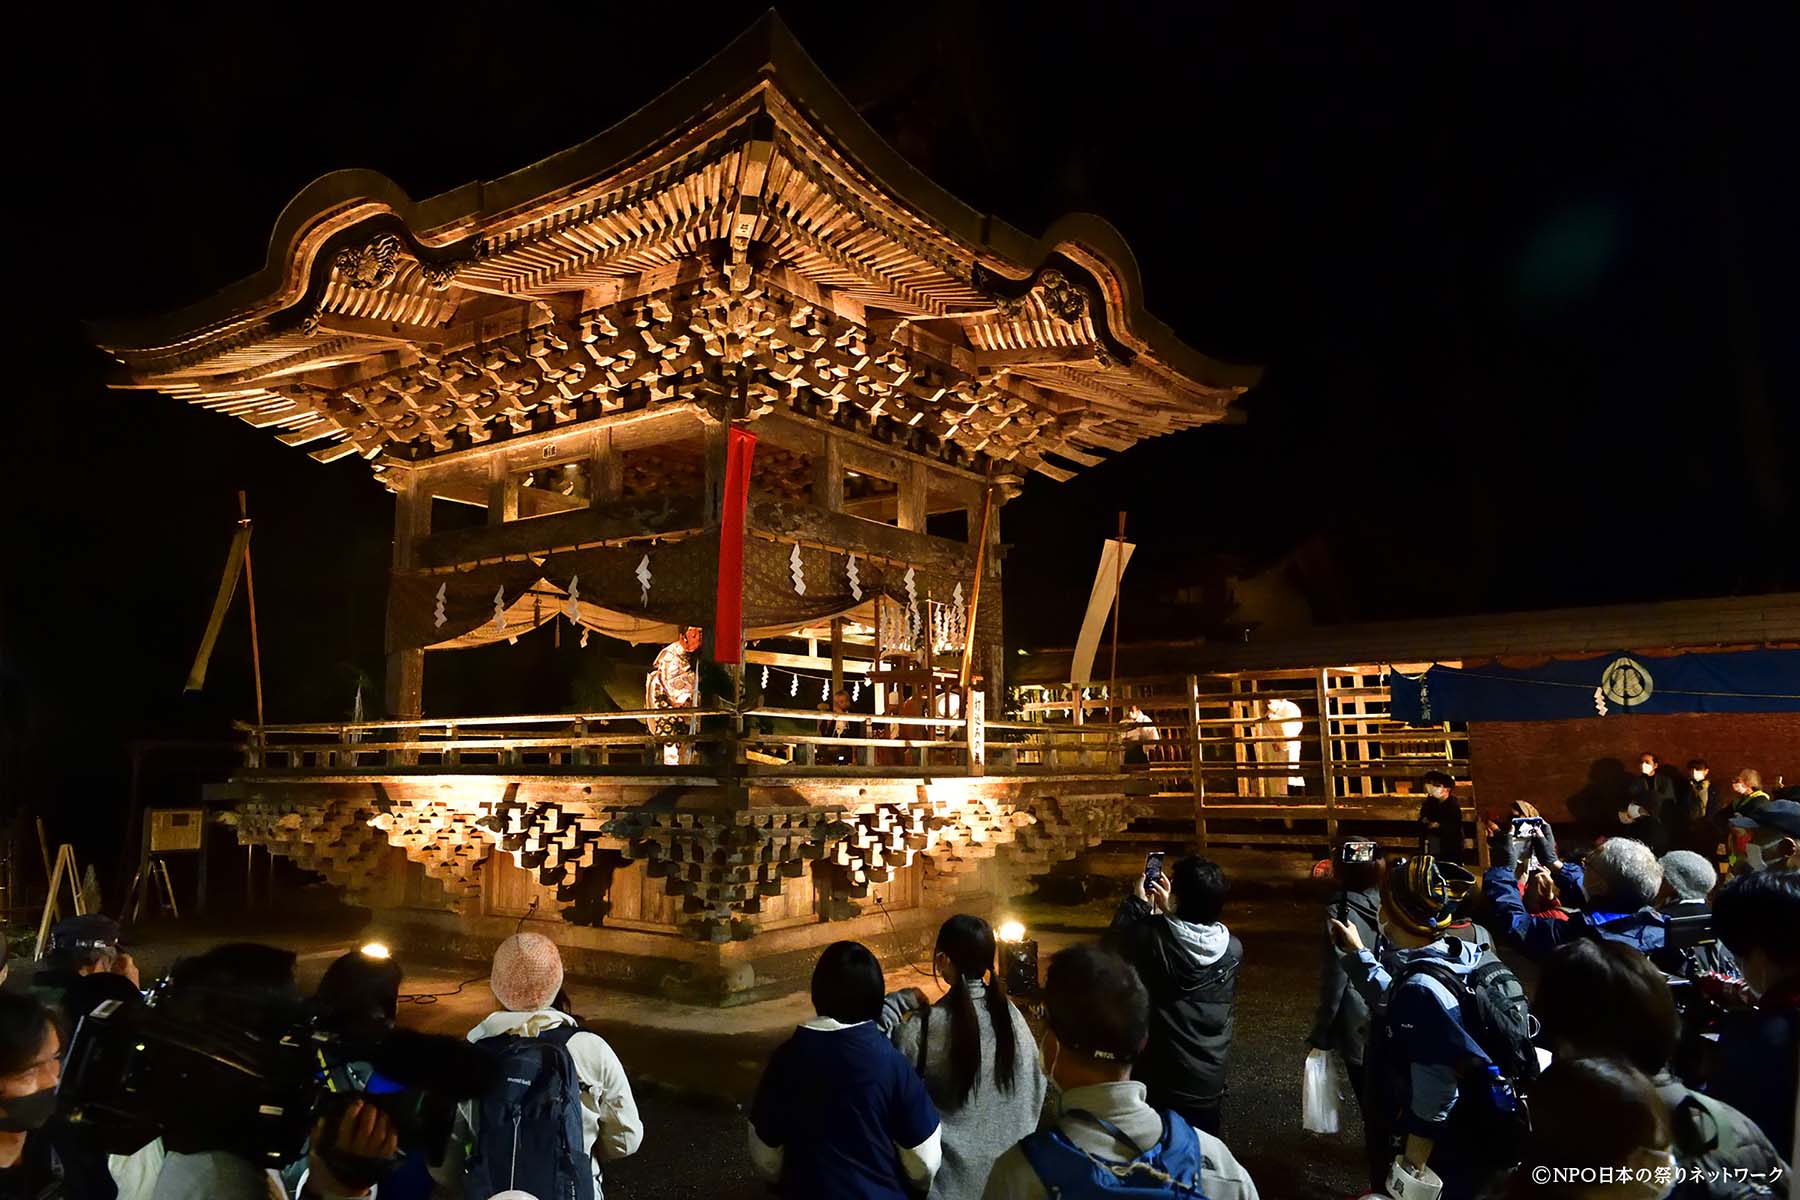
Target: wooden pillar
(994,666)
(1328,776)
(1196,761)
(405,675)
(828,475)
(912,496)
(503,492)
(606,475)
(714,438)
(837,655)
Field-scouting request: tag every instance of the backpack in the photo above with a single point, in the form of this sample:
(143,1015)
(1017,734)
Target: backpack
(527,1131)
(1495,1012)
(1491,1002)
(1721,1164)
(1169,1169)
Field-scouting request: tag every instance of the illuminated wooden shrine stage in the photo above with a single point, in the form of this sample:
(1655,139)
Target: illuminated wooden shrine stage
(567,348)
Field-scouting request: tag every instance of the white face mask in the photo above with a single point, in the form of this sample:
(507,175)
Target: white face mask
(1649,768)
(1699,776)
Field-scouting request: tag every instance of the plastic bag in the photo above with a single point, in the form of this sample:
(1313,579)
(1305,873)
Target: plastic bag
(1319,1095)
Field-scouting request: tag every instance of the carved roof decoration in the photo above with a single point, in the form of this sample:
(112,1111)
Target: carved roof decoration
(748,215)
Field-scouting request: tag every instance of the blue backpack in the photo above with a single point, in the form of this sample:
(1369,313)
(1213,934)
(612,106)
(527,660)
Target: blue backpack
(1169,1168)
(528,1127)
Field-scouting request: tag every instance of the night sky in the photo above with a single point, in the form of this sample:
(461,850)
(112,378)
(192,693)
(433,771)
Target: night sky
(1522,283)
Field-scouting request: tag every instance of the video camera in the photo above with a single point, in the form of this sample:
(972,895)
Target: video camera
(136,1072)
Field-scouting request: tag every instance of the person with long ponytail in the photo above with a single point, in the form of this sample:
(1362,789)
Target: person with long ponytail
(975,1053)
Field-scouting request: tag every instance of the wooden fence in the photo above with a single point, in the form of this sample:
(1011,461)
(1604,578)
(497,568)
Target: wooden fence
(1282,758)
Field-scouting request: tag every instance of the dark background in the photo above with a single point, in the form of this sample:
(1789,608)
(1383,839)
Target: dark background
(1522,279)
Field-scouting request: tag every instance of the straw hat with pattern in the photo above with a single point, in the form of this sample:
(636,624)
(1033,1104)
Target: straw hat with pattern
(1420,894)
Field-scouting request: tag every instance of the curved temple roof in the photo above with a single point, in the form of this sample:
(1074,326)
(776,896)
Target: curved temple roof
(748,215)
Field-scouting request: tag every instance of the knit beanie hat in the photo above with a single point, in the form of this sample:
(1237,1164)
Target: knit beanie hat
(528,972)
(1420,894)
(1688,875)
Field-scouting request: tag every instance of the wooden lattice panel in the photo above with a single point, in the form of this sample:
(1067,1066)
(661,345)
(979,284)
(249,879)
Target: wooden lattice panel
(446,839)
(334,839)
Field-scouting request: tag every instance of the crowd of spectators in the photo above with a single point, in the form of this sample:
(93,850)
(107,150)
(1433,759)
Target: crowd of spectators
(1658,1043)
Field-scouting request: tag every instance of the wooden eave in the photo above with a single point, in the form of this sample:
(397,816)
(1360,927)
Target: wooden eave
(747,213)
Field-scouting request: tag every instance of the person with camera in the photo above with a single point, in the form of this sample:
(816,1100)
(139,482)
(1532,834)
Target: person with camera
(1758,1064)
(1615,888)
(1106,1138)
(37,1158)
(85,965)
(1449,1041)
(974,1051)
(1169,930)
(250,987)
(839,1111)
(559,1104)
(1341,1020)
(1600,999)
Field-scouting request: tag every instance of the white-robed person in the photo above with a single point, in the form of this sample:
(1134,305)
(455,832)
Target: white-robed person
(675,683)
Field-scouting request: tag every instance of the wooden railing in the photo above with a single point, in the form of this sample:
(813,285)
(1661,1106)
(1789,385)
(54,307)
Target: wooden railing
(760,741)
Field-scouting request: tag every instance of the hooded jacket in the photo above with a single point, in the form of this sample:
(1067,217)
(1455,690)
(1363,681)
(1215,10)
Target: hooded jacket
(1341,1022)
(1191,973)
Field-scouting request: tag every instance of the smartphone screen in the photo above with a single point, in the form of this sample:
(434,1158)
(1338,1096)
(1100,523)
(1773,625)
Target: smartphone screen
(1153,862)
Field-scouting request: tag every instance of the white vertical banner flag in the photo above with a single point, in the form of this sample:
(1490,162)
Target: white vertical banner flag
(1100,600)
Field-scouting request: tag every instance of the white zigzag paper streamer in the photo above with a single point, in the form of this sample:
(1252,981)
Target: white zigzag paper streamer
(584,635)
(798,570)
(765,679)
(855,578)
(1600,702)
(437,614)
(500,609)
(794,686)
(825,690)
(572,606)
(855,691)
(643,578)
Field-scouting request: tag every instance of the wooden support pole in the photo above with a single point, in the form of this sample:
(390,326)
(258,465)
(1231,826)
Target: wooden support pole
(1112,682)
(837,656)
(503,492)
(912,505)
(606,474)
(981,547)
(828,475)
(1196,773)
(1328,776)
(250,595)
(405,675)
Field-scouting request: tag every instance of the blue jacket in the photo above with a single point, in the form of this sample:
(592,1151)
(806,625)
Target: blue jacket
(1537,936)
(1427,1047)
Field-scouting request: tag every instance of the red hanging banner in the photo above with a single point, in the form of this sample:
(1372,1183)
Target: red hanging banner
(728,628)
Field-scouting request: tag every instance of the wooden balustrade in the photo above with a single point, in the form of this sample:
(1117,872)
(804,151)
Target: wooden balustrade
(757,741)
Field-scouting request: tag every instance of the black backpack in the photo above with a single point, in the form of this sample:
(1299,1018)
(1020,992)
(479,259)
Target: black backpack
(1492,1113)
(528,1126)
(1495,1012)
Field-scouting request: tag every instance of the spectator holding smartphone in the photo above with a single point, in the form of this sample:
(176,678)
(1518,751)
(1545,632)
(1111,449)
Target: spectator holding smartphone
(1169,930)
